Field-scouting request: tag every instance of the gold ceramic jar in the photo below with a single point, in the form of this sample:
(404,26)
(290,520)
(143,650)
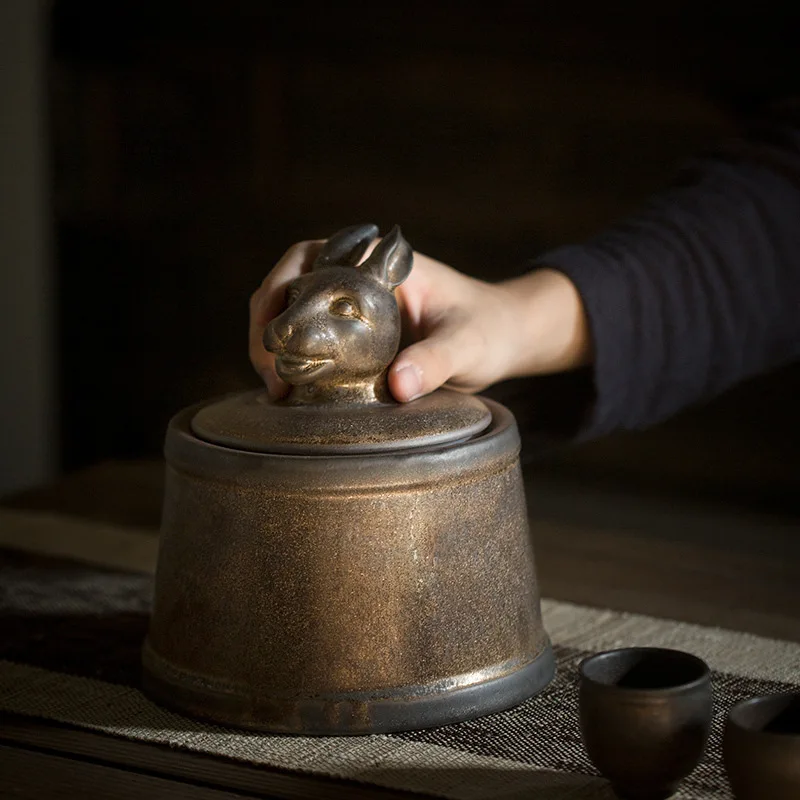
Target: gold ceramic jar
(345,567)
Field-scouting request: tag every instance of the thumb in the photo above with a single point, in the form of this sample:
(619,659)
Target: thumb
(424,366)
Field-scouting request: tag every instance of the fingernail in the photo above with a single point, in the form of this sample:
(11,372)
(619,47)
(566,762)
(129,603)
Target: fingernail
(409,381)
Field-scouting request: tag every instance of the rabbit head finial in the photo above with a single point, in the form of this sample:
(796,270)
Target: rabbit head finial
(340,329)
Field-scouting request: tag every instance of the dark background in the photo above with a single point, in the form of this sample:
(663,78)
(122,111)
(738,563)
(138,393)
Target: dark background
(194,141)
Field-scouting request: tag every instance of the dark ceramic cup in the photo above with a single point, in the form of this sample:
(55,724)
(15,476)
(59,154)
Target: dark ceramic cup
(645,717)
(762,748)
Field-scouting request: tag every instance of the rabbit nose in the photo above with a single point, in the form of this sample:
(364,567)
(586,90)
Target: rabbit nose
(276,336)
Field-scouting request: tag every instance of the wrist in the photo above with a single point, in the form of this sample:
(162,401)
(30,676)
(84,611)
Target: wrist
(552,332)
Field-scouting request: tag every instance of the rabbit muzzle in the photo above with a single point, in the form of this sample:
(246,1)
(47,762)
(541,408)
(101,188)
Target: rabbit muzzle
(336,336)
(301,352)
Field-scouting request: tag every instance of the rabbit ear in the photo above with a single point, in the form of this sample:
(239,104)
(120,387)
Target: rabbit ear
(390,262)
(345,248)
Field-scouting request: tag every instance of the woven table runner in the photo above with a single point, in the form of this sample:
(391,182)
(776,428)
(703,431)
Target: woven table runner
(69,651)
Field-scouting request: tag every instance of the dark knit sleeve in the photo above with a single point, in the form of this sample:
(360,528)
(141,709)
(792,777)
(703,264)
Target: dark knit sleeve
(698,291)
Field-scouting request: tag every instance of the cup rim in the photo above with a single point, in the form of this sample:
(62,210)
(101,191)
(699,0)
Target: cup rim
(702,678)
(743,705)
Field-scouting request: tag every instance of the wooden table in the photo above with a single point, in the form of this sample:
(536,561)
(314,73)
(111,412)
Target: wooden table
(707,565)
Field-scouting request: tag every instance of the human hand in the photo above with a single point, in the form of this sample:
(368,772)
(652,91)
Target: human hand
(465,333)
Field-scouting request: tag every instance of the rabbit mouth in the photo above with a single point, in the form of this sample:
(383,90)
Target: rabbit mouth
(292,367)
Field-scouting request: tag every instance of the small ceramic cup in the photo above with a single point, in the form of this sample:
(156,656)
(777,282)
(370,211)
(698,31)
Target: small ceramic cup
(762,748)
(645,716)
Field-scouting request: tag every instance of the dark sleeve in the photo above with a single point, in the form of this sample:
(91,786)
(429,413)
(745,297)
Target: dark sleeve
(698,291)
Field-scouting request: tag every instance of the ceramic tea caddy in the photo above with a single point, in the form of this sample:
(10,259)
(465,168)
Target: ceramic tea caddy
(336,562)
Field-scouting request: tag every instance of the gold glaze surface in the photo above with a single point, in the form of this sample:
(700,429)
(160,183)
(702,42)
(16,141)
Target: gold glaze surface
(337,576)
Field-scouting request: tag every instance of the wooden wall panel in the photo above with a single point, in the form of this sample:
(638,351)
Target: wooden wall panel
(193,142)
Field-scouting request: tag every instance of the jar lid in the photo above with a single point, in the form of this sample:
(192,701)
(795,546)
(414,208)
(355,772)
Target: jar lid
(249,421)
(333,344)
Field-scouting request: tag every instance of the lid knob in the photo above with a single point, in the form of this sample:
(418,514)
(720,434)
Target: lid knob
(340,329)
(333,343)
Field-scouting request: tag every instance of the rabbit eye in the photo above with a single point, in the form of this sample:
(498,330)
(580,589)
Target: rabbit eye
(344,307)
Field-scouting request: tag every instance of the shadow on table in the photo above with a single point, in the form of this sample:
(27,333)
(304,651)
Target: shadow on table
(105,647)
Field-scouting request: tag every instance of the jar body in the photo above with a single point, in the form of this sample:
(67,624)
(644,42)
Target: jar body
(345,594)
